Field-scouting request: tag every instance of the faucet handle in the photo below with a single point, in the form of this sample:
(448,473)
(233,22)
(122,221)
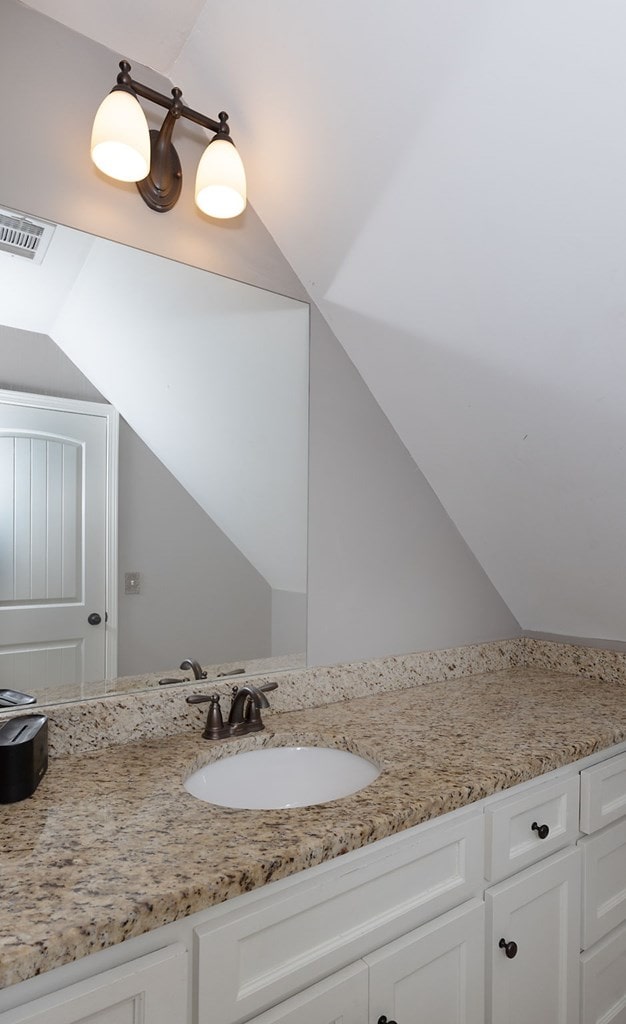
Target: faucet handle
(214,728)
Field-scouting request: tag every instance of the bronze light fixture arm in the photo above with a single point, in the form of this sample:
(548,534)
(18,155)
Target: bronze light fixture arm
(146,93)
(162,186)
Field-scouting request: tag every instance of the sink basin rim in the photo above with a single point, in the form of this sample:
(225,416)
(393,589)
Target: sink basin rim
(296,775)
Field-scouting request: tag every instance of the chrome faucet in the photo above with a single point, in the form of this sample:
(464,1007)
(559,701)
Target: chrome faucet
(244,715)
(195,667)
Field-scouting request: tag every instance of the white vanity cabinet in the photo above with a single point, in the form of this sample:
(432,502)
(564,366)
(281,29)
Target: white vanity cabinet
(603,850)
(259,951)
(149,990)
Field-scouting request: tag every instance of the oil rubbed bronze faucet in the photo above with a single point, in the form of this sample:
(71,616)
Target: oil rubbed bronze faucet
(195,667)
(245,711)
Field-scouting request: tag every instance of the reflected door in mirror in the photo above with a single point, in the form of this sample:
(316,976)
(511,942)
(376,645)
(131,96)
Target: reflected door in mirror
(53,466)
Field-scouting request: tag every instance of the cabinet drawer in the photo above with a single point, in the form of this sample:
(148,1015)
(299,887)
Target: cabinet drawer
(603,980)
(602,794)
(256,956)
(604,882)
(511,843)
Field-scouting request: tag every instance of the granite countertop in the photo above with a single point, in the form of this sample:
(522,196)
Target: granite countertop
(111,845)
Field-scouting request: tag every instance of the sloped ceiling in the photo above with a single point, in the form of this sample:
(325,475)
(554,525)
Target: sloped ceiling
(449,182)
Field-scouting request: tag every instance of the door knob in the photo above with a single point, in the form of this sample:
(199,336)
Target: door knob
(94,619)
(510,948)
(383,1020)
(543,831)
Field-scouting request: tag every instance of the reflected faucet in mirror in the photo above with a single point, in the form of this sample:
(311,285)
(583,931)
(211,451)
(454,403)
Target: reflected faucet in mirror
(195,667)
(15,699)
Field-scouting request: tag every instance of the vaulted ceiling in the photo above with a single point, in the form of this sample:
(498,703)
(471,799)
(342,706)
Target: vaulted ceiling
(449,182)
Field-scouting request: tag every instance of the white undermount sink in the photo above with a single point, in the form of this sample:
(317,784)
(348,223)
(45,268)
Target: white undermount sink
(281,777)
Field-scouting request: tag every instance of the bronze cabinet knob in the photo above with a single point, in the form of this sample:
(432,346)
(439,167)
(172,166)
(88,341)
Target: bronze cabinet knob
(510,948)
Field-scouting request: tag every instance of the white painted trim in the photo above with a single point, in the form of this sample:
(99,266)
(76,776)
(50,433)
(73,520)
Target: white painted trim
(111,416)
(111,584)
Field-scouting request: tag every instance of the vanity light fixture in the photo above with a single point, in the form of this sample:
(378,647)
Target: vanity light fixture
(123,148)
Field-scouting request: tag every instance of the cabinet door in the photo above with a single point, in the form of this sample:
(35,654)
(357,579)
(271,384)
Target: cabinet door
(433,975)
(604,980)
(539,911)
(340,999)
(604,882)
(149,990)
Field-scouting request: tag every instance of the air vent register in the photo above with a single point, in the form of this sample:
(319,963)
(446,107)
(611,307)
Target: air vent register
(25,237)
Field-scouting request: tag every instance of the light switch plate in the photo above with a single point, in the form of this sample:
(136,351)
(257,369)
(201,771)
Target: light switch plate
(132,582)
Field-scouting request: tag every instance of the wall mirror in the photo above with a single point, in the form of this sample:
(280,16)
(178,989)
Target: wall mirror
(209,381)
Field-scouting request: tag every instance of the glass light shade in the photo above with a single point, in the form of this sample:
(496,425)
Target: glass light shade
(120,140)
(221,181)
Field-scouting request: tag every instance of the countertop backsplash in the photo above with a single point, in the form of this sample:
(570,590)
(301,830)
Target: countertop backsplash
(82,726)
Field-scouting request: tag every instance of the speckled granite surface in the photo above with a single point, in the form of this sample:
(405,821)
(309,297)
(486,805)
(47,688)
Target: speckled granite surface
(529,652)
(591,662)
(123,718)
(111,845)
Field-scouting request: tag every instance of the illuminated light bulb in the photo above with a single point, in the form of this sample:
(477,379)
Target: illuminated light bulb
(221,180)
(120,140)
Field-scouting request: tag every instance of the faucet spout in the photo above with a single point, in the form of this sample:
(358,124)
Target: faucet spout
(241,697)
(195,667)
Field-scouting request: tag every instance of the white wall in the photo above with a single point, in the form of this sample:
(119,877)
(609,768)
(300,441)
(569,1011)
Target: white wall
(386,563)
(364,514)
(448,182)
(289,613)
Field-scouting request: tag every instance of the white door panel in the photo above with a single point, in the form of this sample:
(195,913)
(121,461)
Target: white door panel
(54,520)
(433,975)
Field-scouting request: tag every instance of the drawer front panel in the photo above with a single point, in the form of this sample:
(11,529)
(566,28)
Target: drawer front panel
(603,978)
(603,794)
(511,843)
(604,882)
(250,960)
